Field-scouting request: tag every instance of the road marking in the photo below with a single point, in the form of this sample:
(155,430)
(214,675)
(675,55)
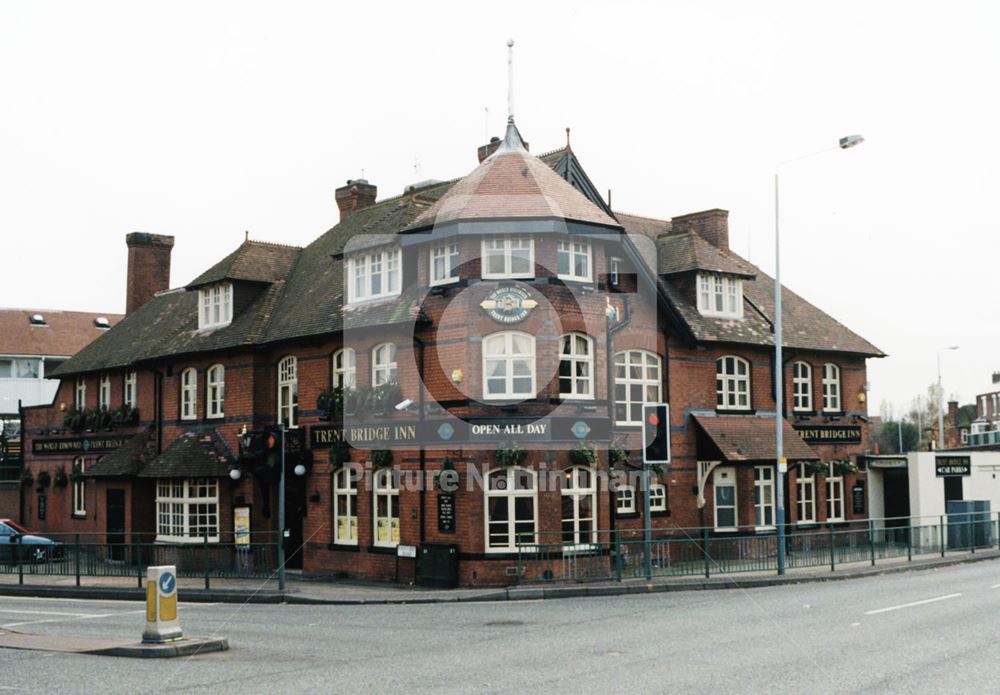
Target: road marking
(64,617)
(914,603)
(26,612)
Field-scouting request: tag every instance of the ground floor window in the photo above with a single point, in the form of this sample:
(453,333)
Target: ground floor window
(187,510)
(345,507)
(763,496)
(386,507)
(657,498)
(79,488)
(511,508)
(724,483)
(834,497)
(805,492)
(625,499)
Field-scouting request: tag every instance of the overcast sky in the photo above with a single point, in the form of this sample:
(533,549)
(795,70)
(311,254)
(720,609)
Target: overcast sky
(205,119)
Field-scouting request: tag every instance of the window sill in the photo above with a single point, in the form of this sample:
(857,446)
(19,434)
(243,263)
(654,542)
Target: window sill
(726,529)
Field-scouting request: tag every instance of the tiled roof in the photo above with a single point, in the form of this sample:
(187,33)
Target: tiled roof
(511,184)
(752,438)
(254,261)
(192,455)
(646,226)
(686,252)
(65,332)
(127,460)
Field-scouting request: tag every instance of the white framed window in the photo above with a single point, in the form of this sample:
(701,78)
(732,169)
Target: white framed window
(129,394)
(724,484)
(508,257)
(189,394)
(444,263)
(625,499)
(288,391)
(805,492)
(508,366)
(80,397)
(576,366)
(345,507)
(386,506)
(344,369)
(831,388)
(834,496)
(579,505)
(384,364)
(216,306)
(574,260)
(802,392)
(614,271)
(215,391)
(374,275)
(657,498)
(104,392)
(637,381)
(720,295)
(732,383)
(21,368)
(187,510)
(763,496)
(79,487)
(511,508)
(964,434)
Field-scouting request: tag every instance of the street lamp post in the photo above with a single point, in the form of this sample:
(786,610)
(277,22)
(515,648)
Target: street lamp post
(941,398)
(779,386)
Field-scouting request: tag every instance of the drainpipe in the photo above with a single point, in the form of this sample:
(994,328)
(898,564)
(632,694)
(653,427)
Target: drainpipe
(420,415)
(610,332)
(20,486)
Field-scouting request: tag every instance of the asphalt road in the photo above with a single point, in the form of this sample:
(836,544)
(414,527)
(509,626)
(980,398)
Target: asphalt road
(921,632)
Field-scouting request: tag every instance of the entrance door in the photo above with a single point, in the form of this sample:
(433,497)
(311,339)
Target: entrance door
(116,523)
(896,501)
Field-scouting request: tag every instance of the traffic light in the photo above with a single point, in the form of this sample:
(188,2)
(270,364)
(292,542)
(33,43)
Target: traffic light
(656,433)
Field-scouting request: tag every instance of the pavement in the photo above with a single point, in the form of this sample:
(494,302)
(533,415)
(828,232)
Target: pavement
(320,591)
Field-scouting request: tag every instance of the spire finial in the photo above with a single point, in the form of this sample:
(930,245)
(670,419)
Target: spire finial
(567,137)
(510,80)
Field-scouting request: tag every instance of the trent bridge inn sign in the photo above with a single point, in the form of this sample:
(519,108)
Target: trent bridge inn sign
(508,304)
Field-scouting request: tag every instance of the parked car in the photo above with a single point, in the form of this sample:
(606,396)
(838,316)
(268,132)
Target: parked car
(17,544)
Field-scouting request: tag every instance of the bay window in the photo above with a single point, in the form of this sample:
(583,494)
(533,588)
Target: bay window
(187,510)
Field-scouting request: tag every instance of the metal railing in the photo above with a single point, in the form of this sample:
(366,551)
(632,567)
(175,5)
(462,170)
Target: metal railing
(705,552)
(96,555)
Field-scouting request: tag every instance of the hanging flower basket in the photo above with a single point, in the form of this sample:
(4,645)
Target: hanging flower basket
(61,479)
(43,480)
(340,453)
(510,454)
(381,458)
(27,479)
(584,455)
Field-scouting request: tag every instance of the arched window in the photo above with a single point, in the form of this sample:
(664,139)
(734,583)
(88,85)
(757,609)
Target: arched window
(802,390)
(637,381)
(576,366)
(732,383)
(831,388)
(189,394)
(129,396)
(383,364)
(104,392)
(215,391)
(511,508)
(80,400)
(579,505)
(79,487)
(344,369)
(288,392)
(508,366)
(345,507)
(386,506)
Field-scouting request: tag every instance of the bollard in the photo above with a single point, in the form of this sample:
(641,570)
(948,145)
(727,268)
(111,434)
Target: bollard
(76,558)
(161,606)
(941,533)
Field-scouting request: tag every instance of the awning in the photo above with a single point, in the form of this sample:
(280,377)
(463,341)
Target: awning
(751,438)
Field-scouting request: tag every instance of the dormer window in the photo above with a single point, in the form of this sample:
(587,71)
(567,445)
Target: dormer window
(720,295)
(216,306)
(374,275)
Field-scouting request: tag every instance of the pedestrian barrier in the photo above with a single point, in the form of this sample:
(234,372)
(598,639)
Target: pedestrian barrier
(679,552)
(93,555)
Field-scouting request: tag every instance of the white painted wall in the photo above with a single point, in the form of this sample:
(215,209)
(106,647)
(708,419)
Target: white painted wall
(927,490)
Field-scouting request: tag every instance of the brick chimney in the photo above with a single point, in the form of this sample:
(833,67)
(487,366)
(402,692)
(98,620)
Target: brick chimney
(996,377)
(357,194)
(710,225)
(148,267)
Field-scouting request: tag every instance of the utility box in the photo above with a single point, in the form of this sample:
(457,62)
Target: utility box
(969,522)
(438,566)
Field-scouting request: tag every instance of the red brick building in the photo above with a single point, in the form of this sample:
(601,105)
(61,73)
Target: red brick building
(464,364)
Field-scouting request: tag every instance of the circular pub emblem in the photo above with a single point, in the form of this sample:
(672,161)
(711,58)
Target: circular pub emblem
(508,304)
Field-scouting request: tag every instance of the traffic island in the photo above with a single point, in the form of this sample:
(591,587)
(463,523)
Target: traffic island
(10,639)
